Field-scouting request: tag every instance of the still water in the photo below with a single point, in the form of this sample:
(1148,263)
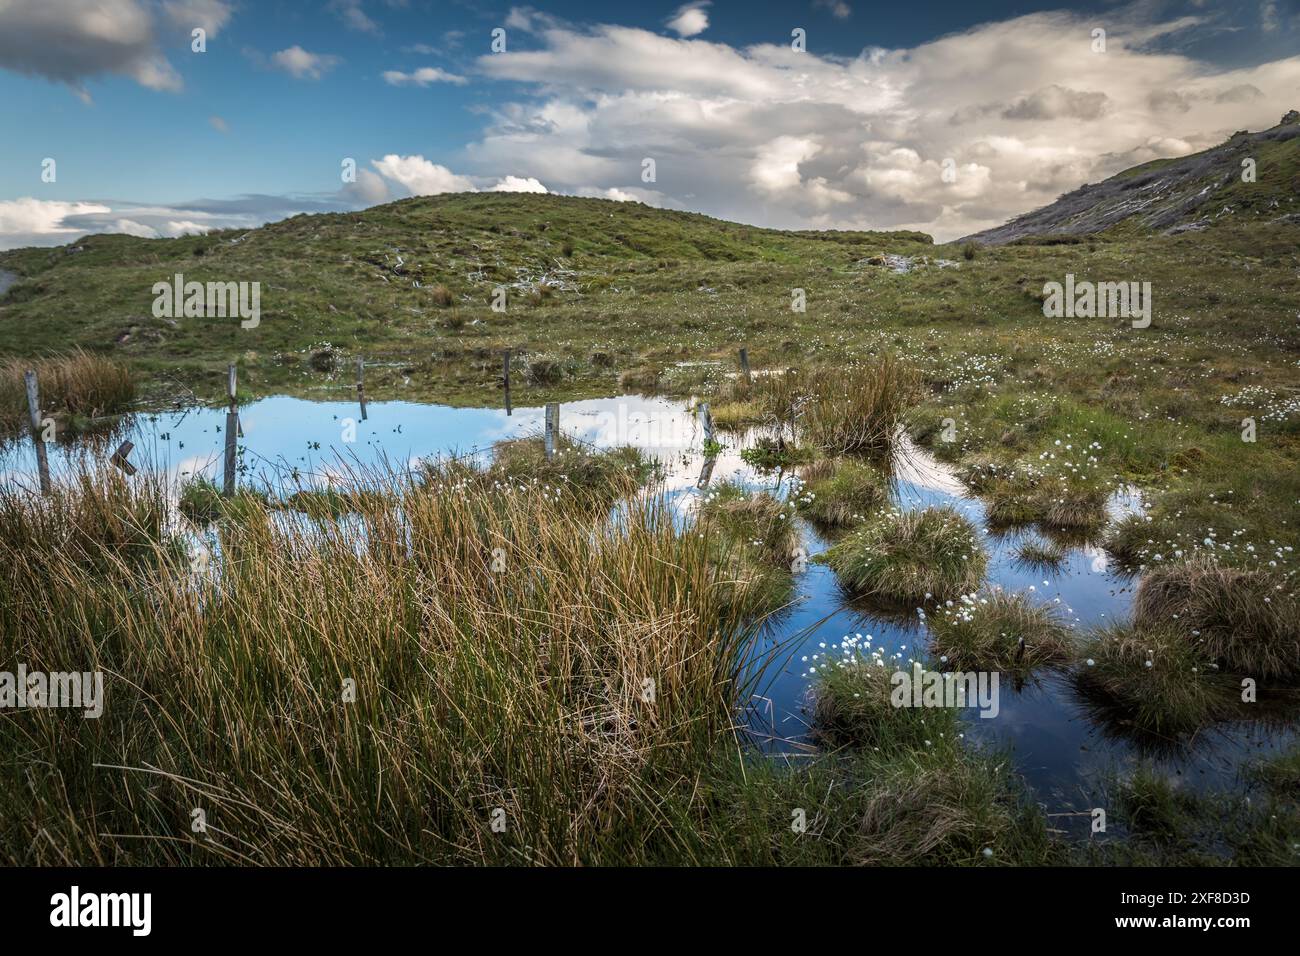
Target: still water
(1063,750)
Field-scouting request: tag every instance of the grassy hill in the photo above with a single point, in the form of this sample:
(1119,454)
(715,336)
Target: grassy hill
(606,297)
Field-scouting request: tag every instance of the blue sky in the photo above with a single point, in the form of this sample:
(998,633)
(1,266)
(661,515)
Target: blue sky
(150,137)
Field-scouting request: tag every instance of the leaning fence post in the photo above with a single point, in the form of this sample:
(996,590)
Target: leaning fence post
(119,458)
(552,427)
(34,409)
(232,429)
(706,419)
(744,365)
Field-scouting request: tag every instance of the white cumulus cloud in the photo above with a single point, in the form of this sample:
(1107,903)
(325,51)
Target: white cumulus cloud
(421,177)
(689,20)
(422,77)
(302,64)
(515,184)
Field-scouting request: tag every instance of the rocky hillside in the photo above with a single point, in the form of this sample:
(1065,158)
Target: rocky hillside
(1177,195)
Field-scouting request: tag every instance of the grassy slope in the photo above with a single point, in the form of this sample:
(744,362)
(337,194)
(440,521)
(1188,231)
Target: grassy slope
(650,288)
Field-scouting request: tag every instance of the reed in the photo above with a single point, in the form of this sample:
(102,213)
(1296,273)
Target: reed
(76,383)
(376,690)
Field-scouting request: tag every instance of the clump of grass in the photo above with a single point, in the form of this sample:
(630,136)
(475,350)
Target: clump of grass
(999,632)
(841,492)
(964,812)
(1128,539)
(1072,503)
(94,518)
(1042,554)
(920,796)
(759,521)
(396,642)
(860,409)
(639,379)
(590,477)
(442,296)
(77,383)
(753,540)
(1247,621)
(853,708)
(910,556)
(768,453)
(734,415)
(201,500)
(1152,678)
(547,369)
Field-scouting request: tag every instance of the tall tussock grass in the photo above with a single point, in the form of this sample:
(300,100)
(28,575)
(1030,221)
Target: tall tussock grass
(908,557)
(75,383)
(383,689)
(856,409)
(1248,621)
(859,410)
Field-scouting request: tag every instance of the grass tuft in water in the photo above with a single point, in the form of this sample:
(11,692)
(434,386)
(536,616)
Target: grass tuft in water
(1247,621)
(1152,678)
(841,492)
(985,633)
(910,556)
(76,384)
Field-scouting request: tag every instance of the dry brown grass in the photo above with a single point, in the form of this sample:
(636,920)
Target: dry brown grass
(75,383)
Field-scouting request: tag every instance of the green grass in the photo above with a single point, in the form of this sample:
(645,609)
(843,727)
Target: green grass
(201,501)
(841,492)
(921,795)
(909,557)
(1042,555)
(1153,679)
(1165,824)
(771,454)
(1247,621)
(999,631)
(521,687)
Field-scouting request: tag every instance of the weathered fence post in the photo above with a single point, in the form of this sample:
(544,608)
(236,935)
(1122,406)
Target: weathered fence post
(744,365)
(119,458)
(706,420)
(232,430)
(34,409)
(361,385)
(505,375)
(706,472)
(552,427)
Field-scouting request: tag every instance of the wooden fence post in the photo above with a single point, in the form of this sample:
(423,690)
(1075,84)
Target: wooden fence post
(361,385)
(744,365)
(706,420)
(552,427)
(34,410)
(232,430)
(505,372)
